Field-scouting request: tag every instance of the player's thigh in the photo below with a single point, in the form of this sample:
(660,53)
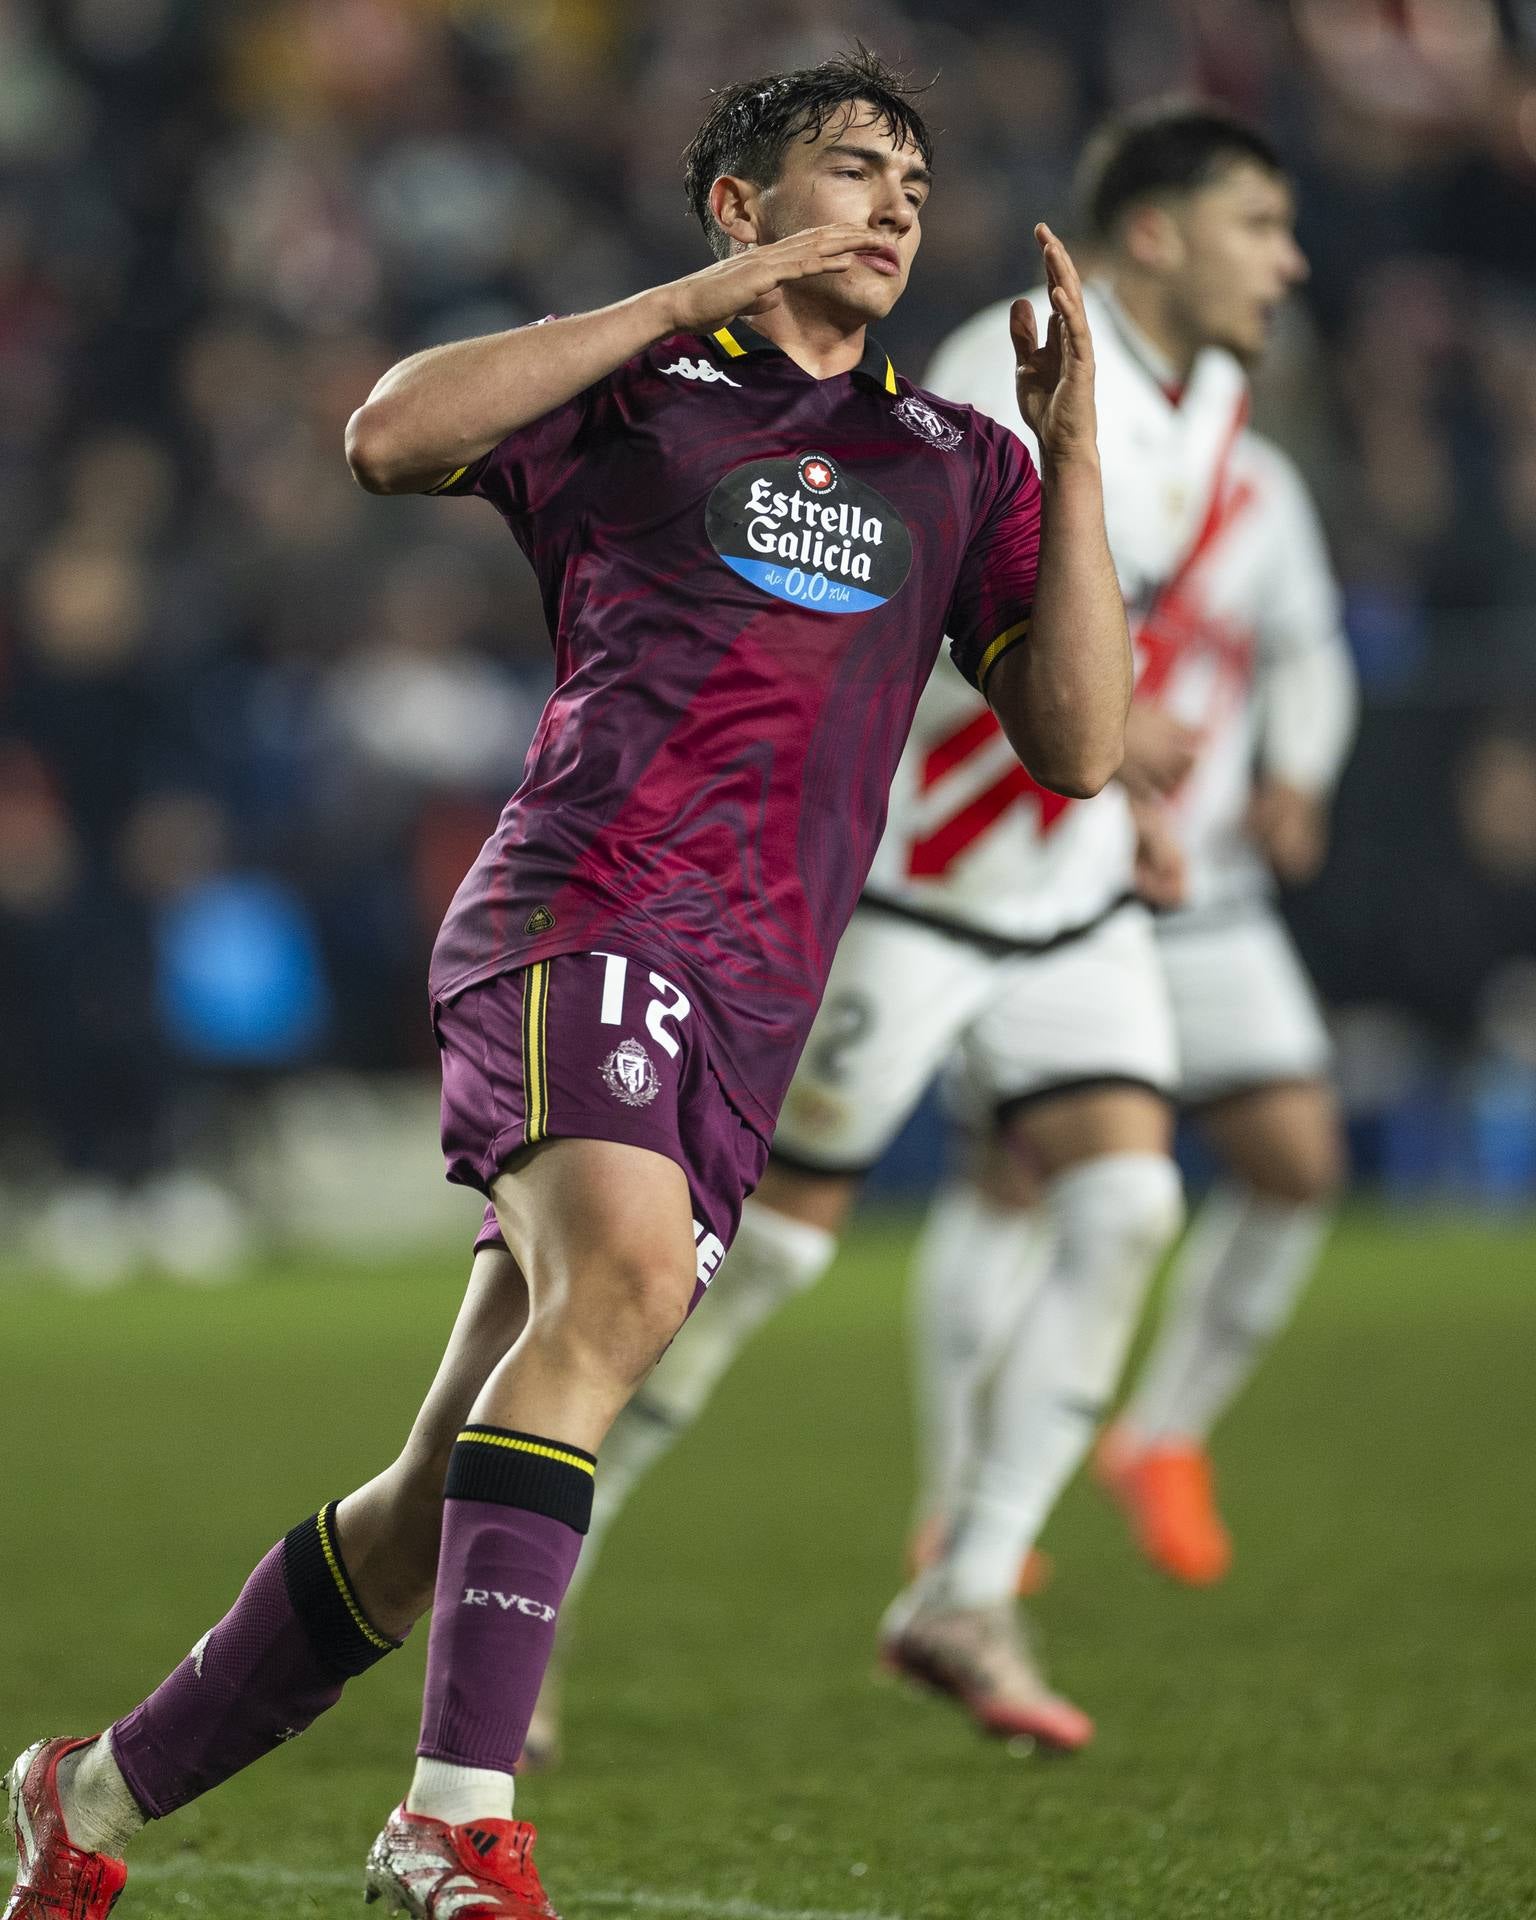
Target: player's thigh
(1083,1123)
(601,1228)
(1074,1055)
(580,1094)
(1245,1013)
(897,998)
(1284,1140)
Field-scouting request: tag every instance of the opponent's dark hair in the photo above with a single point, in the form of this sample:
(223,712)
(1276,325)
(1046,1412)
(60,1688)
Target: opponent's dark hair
(1164,146)
(749,127)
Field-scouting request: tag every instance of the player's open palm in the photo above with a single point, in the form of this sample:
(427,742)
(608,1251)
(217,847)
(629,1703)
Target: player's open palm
(751,282)
(1054,377)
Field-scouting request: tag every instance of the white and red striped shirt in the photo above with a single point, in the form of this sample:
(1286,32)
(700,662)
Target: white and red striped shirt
(970,837)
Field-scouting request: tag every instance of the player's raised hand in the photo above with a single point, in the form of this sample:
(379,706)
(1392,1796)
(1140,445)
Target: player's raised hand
(1054,377)
(752,282)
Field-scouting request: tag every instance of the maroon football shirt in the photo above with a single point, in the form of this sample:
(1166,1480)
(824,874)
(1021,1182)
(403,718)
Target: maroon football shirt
(747,573)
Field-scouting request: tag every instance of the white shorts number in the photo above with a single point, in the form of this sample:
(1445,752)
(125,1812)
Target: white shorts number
(675,1005)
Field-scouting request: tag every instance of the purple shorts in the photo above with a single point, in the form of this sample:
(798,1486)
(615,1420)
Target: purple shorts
(592,1046)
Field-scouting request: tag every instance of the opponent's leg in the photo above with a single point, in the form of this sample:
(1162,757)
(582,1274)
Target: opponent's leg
(978,1259)
(1234,1287)
(1112,1199)
(329,1600)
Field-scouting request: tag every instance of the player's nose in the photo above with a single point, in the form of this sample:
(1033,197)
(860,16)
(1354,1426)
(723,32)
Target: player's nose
(896,212)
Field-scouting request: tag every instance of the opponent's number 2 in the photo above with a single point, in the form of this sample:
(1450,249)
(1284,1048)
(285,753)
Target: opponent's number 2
(675,1005)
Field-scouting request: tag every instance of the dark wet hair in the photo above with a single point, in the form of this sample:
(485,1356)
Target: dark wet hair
(750,126)
(1166,146)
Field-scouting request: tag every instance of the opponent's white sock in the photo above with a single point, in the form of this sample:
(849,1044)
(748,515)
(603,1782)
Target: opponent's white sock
(772,1258)
(100,1814)
(1112,1217)
(1233,1289)
(443,1791)
(974,1272)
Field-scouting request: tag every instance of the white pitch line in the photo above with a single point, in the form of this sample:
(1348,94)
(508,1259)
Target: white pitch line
(269,1873)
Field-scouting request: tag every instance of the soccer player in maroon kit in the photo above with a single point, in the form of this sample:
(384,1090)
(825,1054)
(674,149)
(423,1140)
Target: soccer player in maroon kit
(751,536)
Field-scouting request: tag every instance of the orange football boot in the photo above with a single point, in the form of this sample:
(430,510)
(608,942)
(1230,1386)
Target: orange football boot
(1168,1494)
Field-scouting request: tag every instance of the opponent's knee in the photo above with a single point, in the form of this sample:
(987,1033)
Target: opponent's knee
(1115,1215)
(1307,1174)
(1129,1205)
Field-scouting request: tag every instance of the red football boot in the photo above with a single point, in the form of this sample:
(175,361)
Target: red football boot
(480,1870)
(56,1880)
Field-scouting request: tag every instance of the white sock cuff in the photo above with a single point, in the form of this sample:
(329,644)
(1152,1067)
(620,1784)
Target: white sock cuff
(796,1251)
(443,1790)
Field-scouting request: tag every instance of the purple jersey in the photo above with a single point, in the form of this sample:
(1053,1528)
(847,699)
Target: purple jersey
(747,573)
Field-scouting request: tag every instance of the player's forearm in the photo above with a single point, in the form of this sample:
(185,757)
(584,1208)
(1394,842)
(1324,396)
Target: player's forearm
(1063,695)
(1310,707)
(445,407)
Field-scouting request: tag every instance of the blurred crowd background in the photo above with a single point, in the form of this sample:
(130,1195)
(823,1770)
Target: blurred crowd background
(253,725)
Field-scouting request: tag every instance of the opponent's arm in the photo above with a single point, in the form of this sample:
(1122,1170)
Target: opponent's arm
(442,409)
(1062,697)
(1307,691)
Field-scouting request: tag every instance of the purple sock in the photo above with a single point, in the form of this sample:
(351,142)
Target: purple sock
(516,1511)
(274,1663)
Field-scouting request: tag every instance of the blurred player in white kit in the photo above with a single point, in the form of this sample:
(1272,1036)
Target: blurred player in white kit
(1247,651)
(1002,920)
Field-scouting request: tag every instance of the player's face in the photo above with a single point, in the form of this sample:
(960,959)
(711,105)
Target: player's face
(1239,258)
(853,171)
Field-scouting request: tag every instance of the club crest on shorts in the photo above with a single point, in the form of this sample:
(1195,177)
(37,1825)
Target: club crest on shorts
(928,423)
(630,1076)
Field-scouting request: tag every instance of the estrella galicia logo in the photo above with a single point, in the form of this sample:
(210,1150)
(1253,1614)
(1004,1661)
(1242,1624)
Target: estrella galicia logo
(808,532)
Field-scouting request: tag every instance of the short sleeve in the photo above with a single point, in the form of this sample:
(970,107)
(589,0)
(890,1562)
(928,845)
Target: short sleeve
(530,467)
(995,589)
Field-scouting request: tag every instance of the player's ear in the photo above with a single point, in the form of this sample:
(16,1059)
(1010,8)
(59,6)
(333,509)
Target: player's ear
(733,203)
(1151,235)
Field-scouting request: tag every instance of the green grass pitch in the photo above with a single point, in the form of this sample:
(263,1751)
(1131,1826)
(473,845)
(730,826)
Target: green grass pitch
(1344,1729)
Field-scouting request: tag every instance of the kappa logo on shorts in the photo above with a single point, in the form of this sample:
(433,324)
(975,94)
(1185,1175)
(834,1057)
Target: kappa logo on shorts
(630,1076)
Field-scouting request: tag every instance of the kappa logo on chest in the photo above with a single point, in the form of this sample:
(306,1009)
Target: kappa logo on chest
(701,370)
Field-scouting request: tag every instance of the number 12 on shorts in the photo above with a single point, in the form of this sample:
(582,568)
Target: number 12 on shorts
(673,1003)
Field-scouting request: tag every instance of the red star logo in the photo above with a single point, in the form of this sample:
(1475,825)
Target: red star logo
(818,475)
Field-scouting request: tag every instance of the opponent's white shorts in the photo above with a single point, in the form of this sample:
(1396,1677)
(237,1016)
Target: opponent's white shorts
(1244,1010)
(902,996)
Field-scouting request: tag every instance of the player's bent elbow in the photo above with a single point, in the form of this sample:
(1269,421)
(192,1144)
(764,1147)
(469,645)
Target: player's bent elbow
(374,460)
(1075,775)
